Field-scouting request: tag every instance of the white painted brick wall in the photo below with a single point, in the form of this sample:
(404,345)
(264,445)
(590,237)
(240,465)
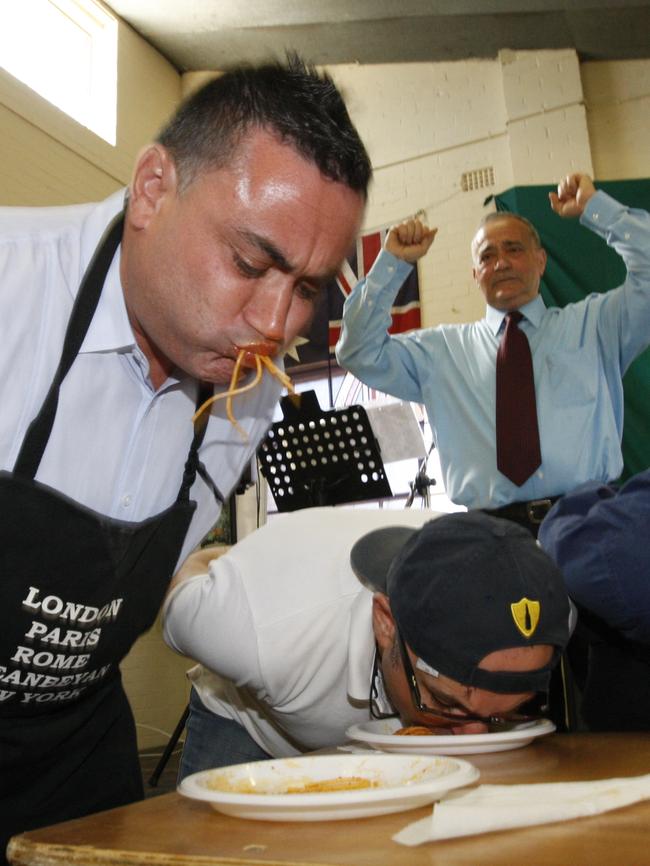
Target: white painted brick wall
(538,81)
(546,123)
(406,111)
(546,146)
(617,97)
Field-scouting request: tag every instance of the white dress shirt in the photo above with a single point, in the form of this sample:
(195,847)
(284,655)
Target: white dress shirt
(117,446)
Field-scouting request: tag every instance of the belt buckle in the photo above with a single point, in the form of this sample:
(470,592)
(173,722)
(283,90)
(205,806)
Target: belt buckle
(537,509)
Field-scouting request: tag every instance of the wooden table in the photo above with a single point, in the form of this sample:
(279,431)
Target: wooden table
(174,831)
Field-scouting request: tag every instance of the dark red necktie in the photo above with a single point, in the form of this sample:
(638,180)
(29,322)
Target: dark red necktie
(518,451)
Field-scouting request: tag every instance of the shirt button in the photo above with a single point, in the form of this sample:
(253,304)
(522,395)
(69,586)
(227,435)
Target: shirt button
(626,236)
(126,500)
(595,217)
(540,474)
(391,269)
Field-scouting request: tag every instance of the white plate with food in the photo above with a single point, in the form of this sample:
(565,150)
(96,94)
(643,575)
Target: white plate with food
(382,735)
(328,787)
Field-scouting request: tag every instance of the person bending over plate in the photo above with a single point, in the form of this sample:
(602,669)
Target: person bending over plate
(325,618)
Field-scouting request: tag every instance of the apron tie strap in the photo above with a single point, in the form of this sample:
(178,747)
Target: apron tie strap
(193,465)
(83,310)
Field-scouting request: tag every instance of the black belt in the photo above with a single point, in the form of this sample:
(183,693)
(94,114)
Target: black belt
(532,512)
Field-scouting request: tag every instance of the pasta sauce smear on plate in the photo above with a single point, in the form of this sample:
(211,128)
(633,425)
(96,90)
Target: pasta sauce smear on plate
(295,786)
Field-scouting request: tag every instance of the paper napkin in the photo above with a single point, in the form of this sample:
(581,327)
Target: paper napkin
(500,807)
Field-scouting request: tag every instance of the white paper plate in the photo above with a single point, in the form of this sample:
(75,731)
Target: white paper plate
(259,790)
(381,735)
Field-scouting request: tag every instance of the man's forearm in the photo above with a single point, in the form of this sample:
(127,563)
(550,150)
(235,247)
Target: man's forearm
(365,348)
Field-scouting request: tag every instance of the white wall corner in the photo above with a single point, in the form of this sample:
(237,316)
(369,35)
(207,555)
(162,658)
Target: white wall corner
(547,124)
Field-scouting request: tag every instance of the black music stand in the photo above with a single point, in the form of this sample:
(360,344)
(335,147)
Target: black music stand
(315,457)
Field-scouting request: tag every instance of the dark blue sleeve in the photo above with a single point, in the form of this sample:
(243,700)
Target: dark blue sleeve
(599,537)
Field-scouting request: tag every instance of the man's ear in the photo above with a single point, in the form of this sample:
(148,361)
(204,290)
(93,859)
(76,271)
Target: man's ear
(542,257)
(383,624)
(154,178)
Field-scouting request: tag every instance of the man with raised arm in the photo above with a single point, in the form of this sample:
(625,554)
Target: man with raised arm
(577,354)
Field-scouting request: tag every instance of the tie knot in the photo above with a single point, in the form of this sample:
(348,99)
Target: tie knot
(515,316)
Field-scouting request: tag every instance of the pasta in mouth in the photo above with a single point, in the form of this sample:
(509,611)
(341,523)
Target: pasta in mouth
(261,361)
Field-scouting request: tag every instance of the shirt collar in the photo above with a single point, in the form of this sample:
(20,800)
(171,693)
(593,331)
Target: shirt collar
(110,329)
(532,311)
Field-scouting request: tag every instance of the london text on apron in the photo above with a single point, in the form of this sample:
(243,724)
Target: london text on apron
(70,613)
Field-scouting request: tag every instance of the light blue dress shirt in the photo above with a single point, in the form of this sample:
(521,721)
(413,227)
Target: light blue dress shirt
(580,353)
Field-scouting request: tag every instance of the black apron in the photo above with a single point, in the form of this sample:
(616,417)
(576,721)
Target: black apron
(78,588)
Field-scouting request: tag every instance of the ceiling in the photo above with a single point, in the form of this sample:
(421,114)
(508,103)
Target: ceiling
(212,34)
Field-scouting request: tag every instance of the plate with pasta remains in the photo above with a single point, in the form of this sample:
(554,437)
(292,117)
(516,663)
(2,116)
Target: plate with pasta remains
(382,735)
(328,787)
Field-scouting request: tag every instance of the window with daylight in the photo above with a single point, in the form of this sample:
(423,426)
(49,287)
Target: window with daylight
(65,50)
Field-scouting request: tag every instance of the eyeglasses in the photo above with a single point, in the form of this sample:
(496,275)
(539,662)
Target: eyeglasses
(443,718)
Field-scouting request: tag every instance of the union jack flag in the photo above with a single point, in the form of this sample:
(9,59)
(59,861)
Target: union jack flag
(326,325)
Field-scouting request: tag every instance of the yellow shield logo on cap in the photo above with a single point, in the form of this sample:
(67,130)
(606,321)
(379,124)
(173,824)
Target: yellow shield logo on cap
(526,615)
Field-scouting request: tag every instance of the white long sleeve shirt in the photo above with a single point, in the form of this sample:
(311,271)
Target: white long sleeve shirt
(282,628)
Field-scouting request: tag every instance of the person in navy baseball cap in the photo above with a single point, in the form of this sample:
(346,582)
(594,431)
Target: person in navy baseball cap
(448,624)
(470,618)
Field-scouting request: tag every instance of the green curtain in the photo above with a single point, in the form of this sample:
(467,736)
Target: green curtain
(579,263)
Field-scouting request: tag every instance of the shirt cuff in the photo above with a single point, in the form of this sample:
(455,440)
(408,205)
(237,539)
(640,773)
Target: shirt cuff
(388,269)
(601,211)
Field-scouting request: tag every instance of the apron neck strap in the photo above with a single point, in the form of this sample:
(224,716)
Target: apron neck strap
(83,310)
(193,464)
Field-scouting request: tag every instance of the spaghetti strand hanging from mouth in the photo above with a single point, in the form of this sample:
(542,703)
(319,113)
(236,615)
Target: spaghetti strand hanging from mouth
(275,371)
(233,390)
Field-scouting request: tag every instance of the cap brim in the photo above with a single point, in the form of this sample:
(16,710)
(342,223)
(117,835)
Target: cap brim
(372,555)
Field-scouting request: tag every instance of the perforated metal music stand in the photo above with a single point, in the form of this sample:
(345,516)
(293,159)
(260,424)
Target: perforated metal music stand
(315,457)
